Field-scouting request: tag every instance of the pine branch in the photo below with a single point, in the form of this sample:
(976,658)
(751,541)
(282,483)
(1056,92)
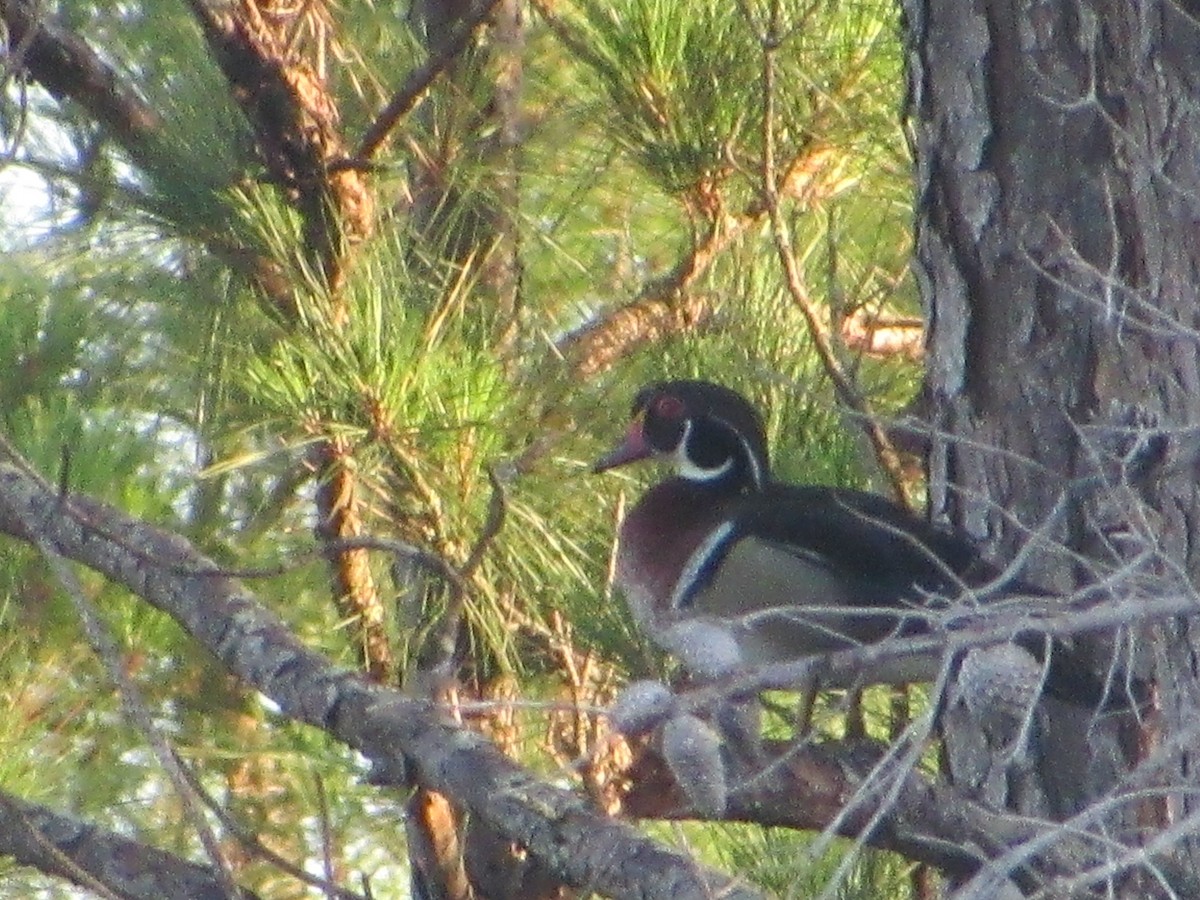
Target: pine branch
(410,93)
(669,304)
(69,69)
(295,118)
(66,66)
(804,786)
(889,459)
(355,594)
(295,121)
(98,860)
(405,739)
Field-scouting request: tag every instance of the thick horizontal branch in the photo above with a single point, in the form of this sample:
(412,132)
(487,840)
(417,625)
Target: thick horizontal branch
(840,787)
(573,841)
(93,858)
(808,787)
(844,783)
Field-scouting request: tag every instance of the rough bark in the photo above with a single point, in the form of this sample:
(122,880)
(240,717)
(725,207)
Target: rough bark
(286,99)
(112,865)
(68,68)
(845,784)
(71,70)
(355,594)
(477,122)
(408,741)
(1058,172)
(411,741)
(295,118)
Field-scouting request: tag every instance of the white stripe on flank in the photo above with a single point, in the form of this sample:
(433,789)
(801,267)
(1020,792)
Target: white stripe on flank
(697,562)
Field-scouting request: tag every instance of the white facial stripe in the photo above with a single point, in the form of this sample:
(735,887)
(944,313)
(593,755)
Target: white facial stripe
(688,469)
(692,472)
(756,473)
(697,562)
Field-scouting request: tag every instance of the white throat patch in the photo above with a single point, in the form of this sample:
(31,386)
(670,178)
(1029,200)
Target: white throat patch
(686,468)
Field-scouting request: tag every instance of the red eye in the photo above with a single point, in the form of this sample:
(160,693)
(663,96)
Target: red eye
(663,421)
(668,407)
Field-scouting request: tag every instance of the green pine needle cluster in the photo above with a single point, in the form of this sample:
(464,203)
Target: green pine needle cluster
(142,366)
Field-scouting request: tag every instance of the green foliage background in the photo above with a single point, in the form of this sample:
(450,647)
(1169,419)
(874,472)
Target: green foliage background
(139,367)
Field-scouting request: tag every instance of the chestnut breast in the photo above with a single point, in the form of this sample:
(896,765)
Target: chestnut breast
(657,540)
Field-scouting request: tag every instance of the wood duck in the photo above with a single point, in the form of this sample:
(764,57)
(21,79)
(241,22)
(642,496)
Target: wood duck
(724,568)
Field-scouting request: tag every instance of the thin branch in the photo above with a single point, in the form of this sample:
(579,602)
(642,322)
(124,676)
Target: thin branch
(496,515)
(668,304)
(106,648)
(102,861)
(66,66)
(254,844)
(327,848)
(14,66)
(889,459)
(396,732)
(405,739)
(953,632)
(443,641)
(405,100)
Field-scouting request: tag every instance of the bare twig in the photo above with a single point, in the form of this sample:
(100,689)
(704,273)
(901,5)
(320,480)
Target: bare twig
(254,844)
(445,634)
(327,848)
(889,459)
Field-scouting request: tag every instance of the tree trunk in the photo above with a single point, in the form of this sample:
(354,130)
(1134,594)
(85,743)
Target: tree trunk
(1058,172)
